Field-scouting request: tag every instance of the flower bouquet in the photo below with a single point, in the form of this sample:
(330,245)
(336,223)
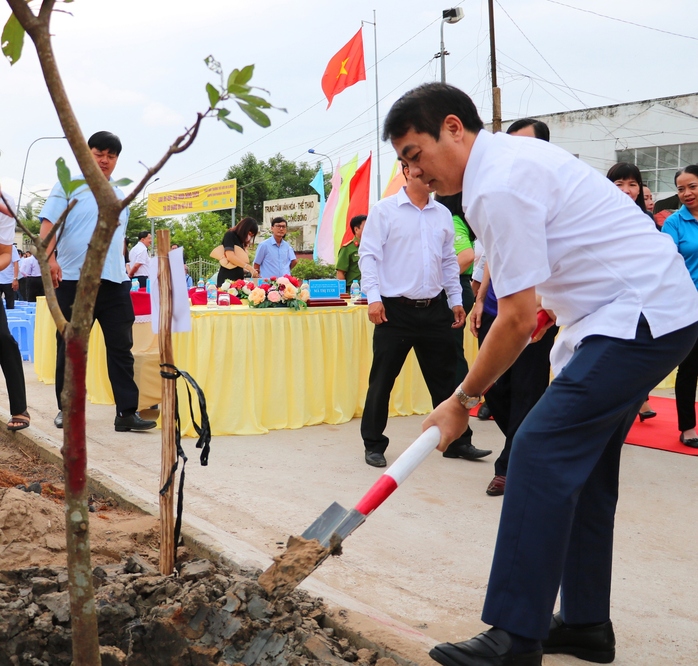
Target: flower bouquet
(239,290)
(282,292)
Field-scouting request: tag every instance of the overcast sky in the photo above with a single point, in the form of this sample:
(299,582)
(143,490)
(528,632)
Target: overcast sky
(135,67)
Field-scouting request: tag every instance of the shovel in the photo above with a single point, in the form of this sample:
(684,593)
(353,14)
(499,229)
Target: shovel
(336,523)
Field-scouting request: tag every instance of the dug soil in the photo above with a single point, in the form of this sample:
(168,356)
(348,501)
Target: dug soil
(204,614)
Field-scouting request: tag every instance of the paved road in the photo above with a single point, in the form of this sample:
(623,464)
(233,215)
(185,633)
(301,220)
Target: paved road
(417,569)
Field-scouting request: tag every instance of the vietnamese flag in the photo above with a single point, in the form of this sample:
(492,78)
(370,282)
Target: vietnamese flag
(359,188)
(345,68)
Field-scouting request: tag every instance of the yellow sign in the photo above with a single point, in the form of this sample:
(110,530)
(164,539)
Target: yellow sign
(216,196)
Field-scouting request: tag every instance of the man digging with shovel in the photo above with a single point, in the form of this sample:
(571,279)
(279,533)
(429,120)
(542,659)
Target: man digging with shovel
(550,223)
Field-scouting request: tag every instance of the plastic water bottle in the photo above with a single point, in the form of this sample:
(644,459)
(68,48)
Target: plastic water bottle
(147,285)
(211,294)
(135,284)
(355,291)
(201,284)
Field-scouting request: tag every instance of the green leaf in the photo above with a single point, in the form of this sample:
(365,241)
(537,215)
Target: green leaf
(232,125)
(63,175)
(12,39)
(232,78)
(122,182)
(255,114)
(213,95)
(255,101)
(244,75)
(236,90)
(222,113)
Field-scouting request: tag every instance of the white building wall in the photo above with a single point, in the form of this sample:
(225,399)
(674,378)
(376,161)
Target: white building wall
(596,134)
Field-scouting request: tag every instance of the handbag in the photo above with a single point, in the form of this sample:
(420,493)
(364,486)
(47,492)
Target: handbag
(218,253)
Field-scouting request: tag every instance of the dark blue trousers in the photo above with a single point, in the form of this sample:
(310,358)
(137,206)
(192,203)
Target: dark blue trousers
(556,527)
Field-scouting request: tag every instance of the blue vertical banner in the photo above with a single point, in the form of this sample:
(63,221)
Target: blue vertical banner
(318,184)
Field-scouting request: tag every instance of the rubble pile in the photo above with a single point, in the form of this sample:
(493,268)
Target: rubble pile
(205,615)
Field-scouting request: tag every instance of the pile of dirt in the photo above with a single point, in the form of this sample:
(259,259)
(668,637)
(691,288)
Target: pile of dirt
(205,615)
(32,532)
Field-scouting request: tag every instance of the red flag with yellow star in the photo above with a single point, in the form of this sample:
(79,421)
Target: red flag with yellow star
(345,68)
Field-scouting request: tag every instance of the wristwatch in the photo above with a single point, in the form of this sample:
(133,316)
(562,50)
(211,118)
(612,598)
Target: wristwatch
(468,401)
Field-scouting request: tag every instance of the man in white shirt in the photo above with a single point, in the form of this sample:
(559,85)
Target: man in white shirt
(138,258)
(551,224)
(30,272)
(407,260)
(9,279)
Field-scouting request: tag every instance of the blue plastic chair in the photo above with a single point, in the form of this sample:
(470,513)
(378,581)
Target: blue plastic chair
(22,330)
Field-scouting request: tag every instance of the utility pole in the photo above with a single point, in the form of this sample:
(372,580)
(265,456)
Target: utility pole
(496,92)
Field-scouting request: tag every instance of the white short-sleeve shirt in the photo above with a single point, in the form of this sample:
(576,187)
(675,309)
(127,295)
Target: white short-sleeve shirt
(548,220)
(7,224)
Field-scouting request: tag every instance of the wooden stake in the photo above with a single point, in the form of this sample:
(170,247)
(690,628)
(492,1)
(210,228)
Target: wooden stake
(167,407)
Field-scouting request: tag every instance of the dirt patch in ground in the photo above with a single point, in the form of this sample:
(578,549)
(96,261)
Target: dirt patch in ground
(32,525)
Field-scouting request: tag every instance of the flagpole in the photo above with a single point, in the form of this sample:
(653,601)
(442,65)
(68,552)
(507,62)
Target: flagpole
(378,132)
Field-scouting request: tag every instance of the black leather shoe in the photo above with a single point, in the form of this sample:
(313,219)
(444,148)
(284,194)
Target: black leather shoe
(596,643)
(375,459)
(490,648)
(466,451)
(58,421)
(132,422)
(484,413)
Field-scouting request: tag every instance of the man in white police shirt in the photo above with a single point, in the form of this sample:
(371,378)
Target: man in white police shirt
(113,307)
(551,224)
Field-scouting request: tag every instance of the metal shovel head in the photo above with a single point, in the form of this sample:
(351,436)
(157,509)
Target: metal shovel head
(335,520)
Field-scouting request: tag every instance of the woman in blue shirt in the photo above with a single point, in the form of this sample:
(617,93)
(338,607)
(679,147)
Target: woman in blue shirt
(682,226)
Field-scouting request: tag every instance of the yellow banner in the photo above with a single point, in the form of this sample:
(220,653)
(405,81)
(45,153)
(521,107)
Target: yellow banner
(216,196)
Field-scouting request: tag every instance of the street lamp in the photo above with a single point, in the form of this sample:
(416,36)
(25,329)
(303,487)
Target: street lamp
(312,151)
(452,15)
(24,171)
(152,221)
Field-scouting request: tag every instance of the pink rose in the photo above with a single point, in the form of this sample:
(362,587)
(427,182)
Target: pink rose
(274,296)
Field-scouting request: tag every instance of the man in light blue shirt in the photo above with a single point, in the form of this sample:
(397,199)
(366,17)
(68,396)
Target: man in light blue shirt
(275,257)
(113,307)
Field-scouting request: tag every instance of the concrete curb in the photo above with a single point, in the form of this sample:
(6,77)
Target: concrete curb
(198,541)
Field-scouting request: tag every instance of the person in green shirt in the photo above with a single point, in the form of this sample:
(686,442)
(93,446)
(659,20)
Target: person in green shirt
(463,245)
(348,258)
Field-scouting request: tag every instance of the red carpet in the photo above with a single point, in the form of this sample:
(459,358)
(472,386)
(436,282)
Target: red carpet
(661,432)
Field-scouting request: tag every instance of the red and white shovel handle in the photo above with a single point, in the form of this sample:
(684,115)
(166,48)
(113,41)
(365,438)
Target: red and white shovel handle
(399,471)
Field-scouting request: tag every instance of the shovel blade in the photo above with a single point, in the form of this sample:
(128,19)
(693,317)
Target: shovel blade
(334,520)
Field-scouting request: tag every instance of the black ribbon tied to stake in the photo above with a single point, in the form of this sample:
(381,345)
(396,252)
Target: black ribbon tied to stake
(203,443)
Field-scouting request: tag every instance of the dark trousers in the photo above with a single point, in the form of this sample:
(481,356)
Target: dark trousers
(114,312)
(22,289)
(515,393)
(11,364)
(142,280)
(686,381)
(458,333)
(427,331)
(9,295)
(556,526)
(33,287)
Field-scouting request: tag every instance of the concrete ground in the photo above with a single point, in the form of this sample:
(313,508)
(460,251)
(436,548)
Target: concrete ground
(416,572)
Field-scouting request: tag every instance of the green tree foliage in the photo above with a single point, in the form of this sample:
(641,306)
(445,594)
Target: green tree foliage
(307,269)
(260,181)
(198,234)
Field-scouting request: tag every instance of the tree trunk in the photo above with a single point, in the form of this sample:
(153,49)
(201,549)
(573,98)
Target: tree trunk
(169,454)
(82,606)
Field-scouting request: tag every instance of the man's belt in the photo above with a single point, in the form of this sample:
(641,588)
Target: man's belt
(415,303)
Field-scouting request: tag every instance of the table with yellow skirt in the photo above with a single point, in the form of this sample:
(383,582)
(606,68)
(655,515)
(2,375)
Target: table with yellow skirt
(260,369)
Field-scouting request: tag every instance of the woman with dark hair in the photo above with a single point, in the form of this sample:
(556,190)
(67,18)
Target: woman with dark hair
(682,226)
(627,178)
(235,243)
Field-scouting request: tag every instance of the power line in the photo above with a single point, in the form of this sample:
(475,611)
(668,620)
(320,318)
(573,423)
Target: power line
(613,18)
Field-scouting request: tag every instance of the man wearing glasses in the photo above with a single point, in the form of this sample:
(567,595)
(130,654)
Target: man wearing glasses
(275,257)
